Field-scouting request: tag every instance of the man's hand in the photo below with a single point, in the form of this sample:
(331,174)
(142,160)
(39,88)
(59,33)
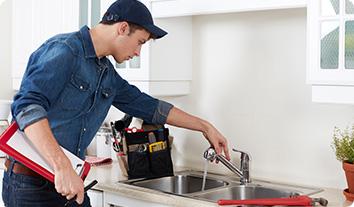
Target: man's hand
(217,140)
(68,183)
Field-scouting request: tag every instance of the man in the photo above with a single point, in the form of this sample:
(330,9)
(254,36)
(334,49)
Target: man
(66,92)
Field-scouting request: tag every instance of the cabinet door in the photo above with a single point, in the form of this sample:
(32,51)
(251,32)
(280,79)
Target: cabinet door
(34,21)
(96,198)
(330,50)
(112,199)
(330,58)
(22,38)
(1,175)
(174,8)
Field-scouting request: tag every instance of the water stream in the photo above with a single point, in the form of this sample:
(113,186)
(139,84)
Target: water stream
(205,173)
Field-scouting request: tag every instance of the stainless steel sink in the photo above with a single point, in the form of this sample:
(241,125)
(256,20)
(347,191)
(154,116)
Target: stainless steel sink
(247,192)
(180,184)
(189,184)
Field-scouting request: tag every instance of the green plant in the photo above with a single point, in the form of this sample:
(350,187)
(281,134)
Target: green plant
(343,144)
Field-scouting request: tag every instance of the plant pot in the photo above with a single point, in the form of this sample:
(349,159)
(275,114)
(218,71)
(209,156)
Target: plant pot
(349,173)
(348,196)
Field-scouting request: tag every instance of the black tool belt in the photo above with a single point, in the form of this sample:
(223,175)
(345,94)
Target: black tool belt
(148,153)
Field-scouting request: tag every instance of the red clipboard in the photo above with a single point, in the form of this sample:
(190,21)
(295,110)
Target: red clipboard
(16,144)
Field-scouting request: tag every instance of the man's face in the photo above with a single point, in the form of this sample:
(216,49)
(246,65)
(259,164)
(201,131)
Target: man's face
(129,45)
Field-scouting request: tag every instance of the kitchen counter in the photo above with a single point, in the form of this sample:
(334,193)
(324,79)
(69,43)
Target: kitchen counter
(109,175)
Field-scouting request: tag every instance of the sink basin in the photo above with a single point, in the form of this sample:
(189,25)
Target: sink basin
(180,184)
(189,184)
(246,192)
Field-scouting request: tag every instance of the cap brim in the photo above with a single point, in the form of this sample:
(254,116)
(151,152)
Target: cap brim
(155,31)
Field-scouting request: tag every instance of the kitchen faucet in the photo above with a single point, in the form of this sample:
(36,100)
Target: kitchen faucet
(243,172)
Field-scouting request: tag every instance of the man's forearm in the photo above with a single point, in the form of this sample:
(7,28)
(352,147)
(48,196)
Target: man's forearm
(66,181)
(179,118)
(43,139)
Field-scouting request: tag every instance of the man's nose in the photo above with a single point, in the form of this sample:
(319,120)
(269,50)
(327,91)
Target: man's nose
(137,51)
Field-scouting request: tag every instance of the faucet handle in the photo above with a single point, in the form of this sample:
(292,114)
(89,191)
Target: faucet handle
(244,155)
(244,165)
(235,150)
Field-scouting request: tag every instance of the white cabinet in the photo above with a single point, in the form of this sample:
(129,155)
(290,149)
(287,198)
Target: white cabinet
(164,67)
(330,50)
(168,61)
(1,175)
(96,197)
(112,199)
(173,8)
(33,22)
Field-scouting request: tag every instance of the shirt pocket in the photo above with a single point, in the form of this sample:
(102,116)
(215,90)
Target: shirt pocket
(76,94)
(107,93)
(104,100)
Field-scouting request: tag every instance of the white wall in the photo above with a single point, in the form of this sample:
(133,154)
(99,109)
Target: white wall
(5,51)
(249,80)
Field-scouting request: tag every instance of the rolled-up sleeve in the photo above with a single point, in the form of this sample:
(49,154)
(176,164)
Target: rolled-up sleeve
(46,74)
(30,114)
(161,112)
(132,101)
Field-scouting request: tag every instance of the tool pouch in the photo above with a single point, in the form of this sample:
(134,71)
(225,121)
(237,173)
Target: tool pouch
(148,153)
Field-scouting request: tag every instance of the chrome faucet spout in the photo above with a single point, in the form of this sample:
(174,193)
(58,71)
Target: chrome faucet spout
(229,165)
(243,172)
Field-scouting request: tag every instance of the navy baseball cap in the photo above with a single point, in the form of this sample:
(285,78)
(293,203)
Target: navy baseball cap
(135,12)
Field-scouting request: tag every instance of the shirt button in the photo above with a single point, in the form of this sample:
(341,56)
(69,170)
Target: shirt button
(81,87)
(84,129)
(79,150)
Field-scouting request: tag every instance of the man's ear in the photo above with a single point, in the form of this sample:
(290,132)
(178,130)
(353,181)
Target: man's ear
(123,28)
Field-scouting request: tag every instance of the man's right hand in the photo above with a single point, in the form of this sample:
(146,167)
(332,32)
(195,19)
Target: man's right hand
(68,183)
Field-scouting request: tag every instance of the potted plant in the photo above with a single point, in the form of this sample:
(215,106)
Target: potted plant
(343,144)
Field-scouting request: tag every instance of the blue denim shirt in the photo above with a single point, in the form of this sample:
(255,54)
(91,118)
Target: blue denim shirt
(66,83)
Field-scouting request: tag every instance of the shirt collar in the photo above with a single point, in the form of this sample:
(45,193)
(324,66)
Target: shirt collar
(87,42)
